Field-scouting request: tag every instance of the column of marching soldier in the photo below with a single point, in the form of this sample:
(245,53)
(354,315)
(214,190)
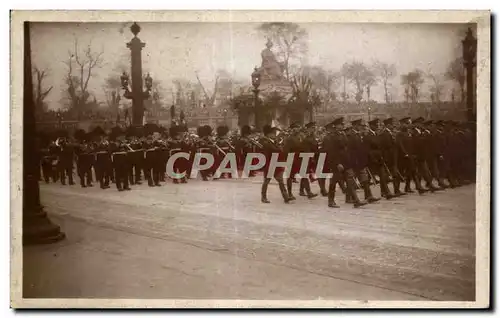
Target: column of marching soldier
(430,155)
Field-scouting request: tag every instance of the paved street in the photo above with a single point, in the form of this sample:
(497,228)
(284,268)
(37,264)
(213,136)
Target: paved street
(216,240)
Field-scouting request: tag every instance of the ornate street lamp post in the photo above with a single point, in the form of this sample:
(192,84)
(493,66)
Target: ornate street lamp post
(256,84)
(469,46)
(37,227)
(137,95)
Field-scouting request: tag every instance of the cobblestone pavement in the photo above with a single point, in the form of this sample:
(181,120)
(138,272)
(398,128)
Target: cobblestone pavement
(216,240)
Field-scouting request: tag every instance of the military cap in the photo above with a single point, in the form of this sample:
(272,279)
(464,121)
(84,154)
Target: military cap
(310,125)
(418,120)
(222,130)
(207,129)
(405,120)
(389,121)
(374,121)
(173,131)
(295,125)
(429,122)
(267,129)
(338,121)
(356,122)
(246,130)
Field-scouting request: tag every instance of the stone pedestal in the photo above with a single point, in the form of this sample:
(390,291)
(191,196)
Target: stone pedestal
(282,88)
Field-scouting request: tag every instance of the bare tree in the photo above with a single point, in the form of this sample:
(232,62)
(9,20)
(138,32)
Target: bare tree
(302,92)
(79,72)
(112,92)
(386,72)
(412,82)
(436,88)
(370,80)
(456,73)
(39,91)
(324,81)
(290,41)
(359,74)
(343,74)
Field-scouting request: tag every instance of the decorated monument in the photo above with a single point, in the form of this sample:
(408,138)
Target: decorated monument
(271,74)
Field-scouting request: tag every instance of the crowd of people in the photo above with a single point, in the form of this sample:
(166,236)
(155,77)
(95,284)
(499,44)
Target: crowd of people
(425,156)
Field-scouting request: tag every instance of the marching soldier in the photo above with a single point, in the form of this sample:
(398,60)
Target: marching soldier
(423,144)
(247,145)
(151,166)
(361,156)
(435,143)
(121,165)
(376,159)
(178,145)
(309,145)
(223,147)
(136,157)
(242,145)
(407,156)
(104,167)
(204,145)
(295,145)
(66,157)
(269,147)
(85,158)
(292,146)
(49,161)
(340,162)
(390,154)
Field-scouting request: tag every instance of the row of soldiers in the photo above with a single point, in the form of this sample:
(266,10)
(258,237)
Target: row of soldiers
(418,152)
(357,156)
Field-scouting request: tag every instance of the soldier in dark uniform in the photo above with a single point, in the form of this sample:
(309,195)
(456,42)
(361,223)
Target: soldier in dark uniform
(223,148)
(120,164)
(340,162)
(435,144)
(376,160)
(424,149)
(48,156)
(104,167)
(407,156)
(390,154)
(85,158)
(151,167)
(136,156)
(245,147)
(178,145)
(204,145)
(66,157)
(309,145)
(294,145)
(240,145)
(269,147)
(361,154)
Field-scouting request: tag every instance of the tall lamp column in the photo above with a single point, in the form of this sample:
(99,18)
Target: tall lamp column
(37,227)
(137,95)
(469,46)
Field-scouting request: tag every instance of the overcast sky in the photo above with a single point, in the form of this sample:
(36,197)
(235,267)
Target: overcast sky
(178,50)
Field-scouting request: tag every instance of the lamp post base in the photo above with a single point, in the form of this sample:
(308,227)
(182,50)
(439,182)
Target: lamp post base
(38,229)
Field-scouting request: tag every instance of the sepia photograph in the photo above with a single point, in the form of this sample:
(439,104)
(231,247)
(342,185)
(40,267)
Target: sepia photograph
(250,159)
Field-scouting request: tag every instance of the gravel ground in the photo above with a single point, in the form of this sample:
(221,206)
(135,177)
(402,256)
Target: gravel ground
(215,240)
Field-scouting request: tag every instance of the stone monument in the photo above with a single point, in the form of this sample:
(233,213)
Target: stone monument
(273,82)
(271,72)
